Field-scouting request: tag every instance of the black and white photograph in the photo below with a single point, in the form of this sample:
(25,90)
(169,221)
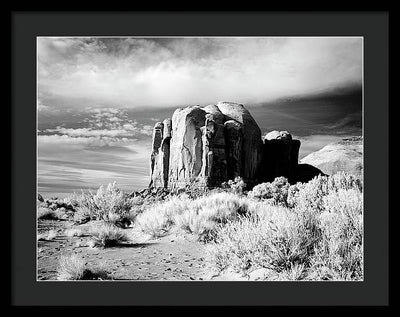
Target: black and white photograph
(196,158)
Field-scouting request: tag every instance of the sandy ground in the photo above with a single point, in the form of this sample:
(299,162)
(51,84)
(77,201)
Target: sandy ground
(173,257)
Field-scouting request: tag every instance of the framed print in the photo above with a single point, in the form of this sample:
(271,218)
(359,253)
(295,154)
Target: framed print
(161,160)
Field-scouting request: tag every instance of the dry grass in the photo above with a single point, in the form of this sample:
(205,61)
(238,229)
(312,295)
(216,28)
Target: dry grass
(311,231)
(74,268)
(74,232)
(198,216)
(319,238)
(107,236)
(47,236)
(44,213)
(158,219)
(70,268)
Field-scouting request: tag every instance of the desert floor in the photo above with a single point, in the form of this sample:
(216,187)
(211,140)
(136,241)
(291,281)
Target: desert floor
(173,257)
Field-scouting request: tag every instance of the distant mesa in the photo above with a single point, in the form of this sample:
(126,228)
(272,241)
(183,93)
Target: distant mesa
(345,155)
(206,146)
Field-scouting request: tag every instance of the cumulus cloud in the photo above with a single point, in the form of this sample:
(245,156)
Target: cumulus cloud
(135,72)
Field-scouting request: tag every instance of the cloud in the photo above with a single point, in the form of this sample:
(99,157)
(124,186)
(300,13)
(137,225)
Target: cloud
(71,163)
(103,123)
(134,72)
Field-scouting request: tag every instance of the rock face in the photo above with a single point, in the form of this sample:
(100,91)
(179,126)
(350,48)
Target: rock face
(280,156)
(345,155)
(186,147)
(206,146)
(159,162)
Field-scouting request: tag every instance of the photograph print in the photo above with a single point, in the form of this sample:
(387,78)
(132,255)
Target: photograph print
(200,159)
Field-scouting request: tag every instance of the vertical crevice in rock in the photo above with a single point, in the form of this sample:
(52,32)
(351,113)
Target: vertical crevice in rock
(165,150)
(251,143)
(156,144)
(233,139)
(214,169)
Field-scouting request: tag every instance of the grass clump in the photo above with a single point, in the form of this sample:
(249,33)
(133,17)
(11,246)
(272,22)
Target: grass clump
(73,232)
(198,216)
(158,219)
(107,236)
(44,213)
(203,215)
(74,268)
(47,236)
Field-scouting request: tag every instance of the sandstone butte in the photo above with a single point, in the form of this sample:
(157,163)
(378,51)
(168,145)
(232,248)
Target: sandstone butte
(206,146)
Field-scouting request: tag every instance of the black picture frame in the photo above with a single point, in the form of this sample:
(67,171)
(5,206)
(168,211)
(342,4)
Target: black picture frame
(373,26)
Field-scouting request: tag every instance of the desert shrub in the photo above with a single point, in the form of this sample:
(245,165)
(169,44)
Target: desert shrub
(108,203)
(319,238)
(293,193)
(276,239)
(158,219)
(70,268)
(344,180)
(72,200)
(196,216)
(275,192)
(74,268)
(202,215)
(47,236)
(310,196)
(339,253)
(74,232)
(106,236)
(44,213)
(198,224)
(82,215)
(237,185)
(296,272)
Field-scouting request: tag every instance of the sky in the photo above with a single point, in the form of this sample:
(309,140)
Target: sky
(98,98)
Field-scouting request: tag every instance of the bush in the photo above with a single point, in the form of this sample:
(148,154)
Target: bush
(310,196)
(70,268)
(108,203)
(74,232)
(47,236)
(339,251)
(276,239)
(197,216)
(318,236)
(44,213)
(158,219)
(275,192)
(237,185)
(203,214)
(106,236)
(74,268)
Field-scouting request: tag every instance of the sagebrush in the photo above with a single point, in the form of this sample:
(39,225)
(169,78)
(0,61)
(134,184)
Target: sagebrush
(317,234)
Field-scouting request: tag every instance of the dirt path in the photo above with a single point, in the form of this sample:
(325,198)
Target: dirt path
(174,257)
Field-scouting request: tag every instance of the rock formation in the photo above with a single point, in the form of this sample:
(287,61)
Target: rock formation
(206,146)
(345,155)
(280,156)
